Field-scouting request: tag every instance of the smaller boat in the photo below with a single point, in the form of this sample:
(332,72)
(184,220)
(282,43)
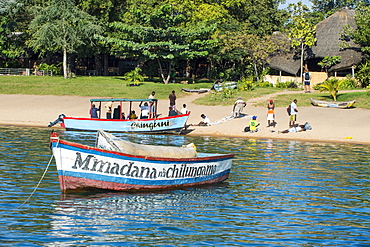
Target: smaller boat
(117,164)
(155,123)
(219,86)
(333,104)
(201,90)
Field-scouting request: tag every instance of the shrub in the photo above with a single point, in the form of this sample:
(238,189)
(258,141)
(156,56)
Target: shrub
(246,84)
(133,77)
(55,69)
(363,75)
(348,83)
(332,85)
(287,84)
(226,93)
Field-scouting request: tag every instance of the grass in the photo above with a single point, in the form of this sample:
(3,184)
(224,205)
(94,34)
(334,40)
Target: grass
(114,86)
(94,86)
(362,99)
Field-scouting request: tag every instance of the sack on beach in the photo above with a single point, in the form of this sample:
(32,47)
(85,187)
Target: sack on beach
(288,110)
(247,129)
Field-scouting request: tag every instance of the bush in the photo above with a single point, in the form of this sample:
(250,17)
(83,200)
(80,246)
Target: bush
(226,93)
(348,83)
(55,69)
(287,84)
(363,75)
(246,84)
(264,84)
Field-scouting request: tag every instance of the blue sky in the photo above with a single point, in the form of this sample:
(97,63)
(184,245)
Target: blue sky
(305,2)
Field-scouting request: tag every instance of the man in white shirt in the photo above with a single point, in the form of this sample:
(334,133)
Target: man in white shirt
(184,110)
(151,96)
(144,110)
(293,113)
(205,121)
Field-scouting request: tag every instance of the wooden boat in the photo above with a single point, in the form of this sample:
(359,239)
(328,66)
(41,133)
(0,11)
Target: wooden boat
(201,90)
(115,164)
(334,104)
(219,86)
(154,124)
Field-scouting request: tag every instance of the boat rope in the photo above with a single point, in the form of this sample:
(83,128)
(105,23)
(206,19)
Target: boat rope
(42,177)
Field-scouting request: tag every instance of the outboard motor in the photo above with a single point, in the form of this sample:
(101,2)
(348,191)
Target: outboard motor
(58,120)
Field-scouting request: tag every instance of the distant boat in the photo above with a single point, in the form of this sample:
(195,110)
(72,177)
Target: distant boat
(116,164)
(219,86)
(201,90)
(153,124)
(334,104)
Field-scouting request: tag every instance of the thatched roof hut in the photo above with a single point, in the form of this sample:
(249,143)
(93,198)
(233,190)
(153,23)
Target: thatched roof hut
(328,34)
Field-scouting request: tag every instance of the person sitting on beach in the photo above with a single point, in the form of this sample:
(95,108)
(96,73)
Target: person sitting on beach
(253,124)
(299,128)
(205,121)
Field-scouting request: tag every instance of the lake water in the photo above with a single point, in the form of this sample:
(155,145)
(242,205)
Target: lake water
(279,193)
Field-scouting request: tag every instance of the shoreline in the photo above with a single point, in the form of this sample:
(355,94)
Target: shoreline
(329,125)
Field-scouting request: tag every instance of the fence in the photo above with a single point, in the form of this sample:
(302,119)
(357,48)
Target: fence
(25,72)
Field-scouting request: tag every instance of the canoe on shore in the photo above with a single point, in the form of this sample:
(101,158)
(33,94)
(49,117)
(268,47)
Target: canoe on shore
(116,164)
(201,90)
(333,104)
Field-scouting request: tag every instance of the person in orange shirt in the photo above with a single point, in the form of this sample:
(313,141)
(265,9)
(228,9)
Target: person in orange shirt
(271,114)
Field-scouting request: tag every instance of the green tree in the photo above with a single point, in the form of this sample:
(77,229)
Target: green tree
(328,61)
(162,35)
(61,26)
(331,6)
(11,37)
(360,35)
(302,31)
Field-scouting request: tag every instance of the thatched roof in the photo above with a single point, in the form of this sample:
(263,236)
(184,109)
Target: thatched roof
(286,59)
(328,35)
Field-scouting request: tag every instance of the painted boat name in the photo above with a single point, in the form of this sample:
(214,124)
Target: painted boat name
(151,125)
(90,163)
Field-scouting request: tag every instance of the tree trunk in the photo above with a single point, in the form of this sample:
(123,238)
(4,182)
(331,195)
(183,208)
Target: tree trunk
(164,79)
(255,69)
(65,73)
(302,54)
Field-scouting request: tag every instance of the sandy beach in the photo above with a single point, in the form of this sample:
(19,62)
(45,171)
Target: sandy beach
(328,124)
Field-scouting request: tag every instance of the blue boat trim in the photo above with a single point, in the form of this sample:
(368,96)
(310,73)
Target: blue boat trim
(105,178)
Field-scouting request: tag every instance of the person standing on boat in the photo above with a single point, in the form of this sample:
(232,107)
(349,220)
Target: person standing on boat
(238,107)
(271,114)
(108,107)
(293,113)
(151,96)
(144,110)
(172,98)
(94,111)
